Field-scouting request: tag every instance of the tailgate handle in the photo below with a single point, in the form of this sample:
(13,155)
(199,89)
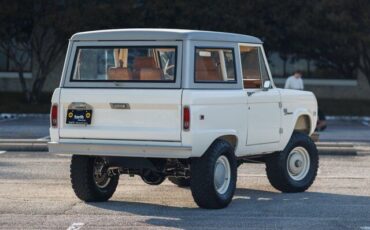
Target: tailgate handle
(119,105)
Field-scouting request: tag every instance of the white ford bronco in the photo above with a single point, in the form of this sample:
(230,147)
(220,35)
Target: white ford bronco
(190,106)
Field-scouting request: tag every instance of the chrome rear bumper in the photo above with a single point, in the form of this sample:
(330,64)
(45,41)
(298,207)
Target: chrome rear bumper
(116,149)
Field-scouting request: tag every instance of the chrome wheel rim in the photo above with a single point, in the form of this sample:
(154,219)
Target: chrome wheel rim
(100,173)
(222,174)
(298,163)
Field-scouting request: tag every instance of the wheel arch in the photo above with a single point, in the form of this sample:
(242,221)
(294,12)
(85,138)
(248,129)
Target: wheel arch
(232,139)
(303,121)
(303,124)
(204,140)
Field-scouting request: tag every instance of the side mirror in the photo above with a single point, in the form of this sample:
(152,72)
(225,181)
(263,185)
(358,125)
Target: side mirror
(266,85)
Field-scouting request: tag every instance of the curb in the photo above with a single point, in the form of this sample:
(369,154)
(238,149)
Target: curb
(25,145)
(337,151)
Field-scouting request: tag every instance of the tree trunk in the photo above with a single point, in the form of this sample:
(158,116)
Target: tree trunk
(25,91)
(36,88)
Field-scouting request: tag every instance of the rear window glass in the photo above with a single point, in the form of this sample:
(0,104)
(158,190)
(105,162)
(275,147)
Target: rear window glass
(136,64)
(214,65)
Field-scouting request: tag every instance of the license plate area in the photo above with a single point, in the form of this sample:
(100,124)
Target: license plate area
(79,113)
(79,117)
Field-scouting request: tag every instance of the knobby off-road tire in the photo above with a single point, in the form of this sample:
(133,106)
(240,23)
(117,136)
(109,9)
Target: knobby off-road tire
(288,171)
(180,181)
(207,190)
(84,183)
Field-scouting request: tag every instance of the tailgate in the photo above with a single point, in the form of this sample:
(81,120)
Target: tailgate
(124,114)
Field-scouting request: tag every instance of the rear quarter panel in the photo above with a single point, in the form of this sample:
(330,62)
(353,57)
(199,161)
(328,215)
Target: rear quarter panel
(224,113)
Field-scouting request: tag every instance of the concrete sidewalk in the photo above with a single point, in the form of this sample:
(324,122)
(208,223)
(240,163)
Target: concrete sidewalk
(31,133)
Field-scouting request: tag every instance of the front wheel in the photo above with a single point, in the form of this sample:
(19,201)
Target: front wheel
(213,176)
(91,180)
(294,169)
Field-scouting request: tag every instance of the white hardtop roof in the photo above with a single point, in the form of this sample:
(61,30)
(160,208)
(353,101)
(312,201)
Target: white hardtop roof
(162,34)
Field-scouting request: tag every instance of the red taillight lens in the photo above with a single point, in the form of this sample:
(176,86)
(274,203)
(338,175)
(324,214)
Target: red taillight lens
(54,116)
(186,118)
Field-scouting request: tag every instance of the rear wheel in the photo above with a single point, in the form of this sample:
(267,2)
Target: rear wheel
(213,176)
(295,168)
(91,180)
(180,181)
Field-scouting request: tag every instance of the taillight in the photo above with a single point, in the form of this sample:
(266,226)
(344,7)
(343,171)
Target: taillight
(54,116)
(186,115)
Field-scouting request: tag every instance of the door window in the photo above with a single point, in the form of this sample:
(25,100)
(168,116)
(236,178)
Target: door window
(253,67)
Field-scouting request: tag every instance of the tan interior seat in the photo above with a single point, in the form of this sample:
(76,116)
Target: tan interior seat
(119,73)
(252,83)
(251,78)
(207,70)
(150,74)
(146,69)
(144,62)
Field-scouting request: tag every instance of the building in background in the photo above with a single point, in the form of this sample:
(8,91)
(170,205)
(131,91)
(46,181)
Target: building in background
(325,83)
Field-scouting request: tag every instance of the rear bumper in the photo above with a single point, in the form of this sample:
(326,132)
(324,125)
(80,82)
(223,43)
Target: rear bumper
(121,149)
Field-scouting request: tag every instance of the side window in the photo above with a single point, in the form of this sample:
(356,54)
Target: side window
(250,67)
(214,65)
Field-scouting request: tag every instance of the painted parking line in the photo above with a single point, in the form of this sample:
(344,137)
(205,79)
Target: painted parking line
(75,226)
(2,152)
(365,228)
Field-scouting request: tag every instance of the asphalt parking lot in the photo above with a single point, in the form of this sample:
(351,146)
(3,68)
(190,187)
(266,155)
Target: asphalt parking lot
(35,190)
(34,126)
(35,193)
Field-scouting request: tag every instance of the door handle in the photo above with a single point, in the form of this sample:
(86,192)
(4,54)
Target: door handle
(286,112)
(250,93)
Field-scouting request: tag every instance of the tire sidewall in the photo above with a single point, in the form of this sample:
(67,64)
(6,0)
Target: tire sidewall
(202,176)
(228,195)
(111,186)
(301,141)
(83,181)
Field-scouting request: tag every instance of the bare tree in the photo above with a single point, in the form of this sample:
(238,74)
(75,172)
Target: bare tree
(15,36)
(37,29)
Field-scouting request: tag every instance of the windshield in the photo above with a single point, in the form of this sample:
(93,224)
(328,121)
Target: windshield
(134,64)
